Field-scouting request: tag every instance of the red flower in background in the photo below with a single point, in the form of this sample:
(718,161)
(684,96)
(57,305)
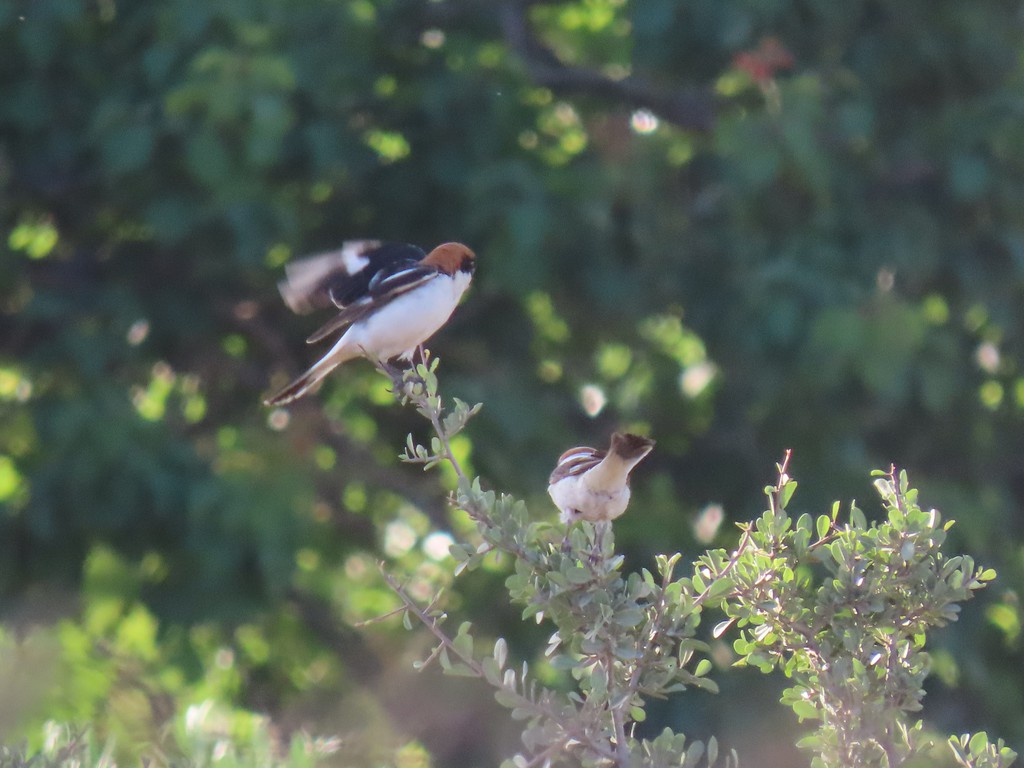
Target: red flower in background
(764,61)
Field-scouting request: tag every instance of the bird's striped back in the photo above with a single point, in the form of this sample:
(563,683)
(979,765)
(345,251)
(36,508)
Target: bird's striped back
(576,461)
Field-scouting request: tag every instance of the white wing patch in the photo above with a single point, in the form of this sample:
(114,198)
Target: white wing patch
(352,255)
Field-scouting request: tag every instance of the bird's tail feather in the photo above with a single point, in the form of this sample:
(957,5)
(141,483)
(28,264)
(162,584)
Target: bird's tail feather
(304,383)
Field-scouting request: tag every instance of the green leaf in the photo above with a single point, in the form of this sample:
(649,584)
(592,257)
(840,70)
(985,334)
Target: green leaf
(705,684)
(721,586)
(787,492)
(721,627)
(460,669)
(629,617)
(491,670)
(500,652)
(693,754)
(507,698)
(463,641)
(578,575)
(978,744)
(857,519)
(804,710)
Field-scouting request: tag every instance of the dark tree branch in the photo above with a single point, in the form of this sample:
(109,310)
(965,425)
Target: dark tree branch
(690,109)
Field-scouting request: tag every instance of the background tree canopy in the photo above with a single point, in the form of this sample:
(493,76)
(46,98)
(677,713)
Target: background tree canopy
(742,226)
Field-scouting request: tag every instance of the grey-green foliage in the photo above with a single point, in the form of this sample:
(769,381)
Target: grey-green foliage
(199,746)
(843,609)
(622,639)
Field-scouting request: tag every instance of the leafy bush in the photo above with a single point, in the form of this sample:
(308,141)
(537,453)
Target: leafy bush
(207,736)
(843,607)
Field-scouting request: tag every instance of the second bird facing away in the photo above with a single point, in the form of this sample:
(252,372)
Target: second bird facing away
(590,484)
(392,297)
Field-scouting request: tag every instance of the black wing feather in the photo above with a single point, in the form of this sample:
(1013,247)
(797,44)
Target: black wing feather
(325,280)
(381,292)
(344,289)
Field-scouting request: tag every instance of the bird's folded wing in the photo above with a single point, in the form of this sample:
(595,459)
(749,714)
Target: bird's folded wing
(384,258)
(383,290)
(574,462)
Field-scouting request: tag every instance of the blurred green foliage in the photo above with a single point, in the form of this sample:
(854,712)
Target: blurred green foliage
(747,226)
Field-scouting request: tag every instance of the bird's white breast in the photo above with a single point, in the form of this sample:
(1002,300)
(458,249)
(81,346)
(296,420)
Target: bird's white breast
(399,327)
(576,500)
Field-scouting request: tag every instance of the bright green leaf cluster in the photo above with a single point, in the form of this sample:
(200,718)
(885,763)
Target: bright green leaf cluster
(976,751)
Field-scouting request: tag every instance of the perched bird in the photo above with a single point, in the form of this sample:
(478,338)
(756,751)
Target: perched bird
(392,297)
(588,484)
